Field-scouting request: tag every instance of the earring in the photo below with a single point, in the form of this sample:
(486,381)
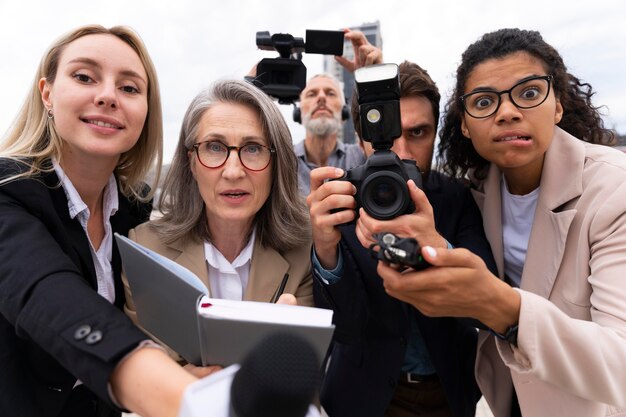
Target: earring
(50,114)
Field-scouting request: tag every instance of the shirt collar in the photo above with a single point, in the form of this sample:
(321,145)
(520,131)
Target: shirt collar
(215,258)
(300,150)
(76,205)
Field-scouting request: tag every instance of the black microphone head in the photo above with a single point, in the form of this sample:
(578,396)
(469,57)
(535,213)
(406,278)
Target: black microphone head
(279,378)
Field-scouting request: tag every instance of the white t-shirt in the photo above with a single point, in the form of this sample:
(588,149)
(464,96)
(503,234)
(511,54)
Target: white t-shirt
(518,213)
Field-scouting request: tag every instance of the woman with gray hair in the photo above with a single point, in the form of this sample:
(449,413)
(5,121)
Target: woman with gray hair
(231,211)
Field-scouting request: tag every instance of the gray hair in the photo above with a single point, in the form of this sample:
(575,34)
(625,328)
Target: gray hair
(282,223)
(330,76)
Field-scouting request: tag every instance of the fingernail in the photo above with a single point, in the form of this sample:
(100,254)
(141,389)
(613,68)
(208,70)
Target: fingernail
(431,251)
(339,172)
(412,185)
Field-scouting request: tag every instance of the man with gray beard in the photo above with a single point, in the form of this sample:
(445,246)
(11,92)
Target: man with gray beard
(322,112)
(322,105)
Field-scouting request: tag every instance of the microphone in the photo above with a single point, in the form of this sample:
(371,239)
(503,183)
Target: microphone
(278,378)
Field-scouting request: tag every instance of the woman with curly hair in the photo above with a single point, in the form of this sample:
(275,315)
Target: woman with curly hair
(526,133)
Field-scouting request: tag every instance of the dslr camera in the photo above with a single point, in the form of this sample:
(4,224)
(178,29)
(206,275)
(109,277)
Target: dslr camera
(284,77)
(381,181)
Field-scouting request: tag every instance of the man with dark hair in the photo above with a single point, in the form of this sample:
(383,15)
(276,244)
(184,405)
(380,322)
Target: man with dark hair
(387,358)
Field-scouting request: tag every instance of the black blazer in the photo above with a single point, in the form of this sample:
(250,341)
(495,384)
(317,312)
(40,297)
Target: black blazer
(51,316)
(372,328)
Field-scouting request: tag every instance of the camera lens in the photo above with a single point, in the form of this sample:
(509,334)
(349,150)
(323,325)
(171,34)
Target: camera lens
(384,195)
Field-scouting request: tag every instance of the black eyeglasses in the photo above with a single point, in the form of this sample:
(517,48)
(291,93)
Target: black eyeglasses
(253,156)
(526,94)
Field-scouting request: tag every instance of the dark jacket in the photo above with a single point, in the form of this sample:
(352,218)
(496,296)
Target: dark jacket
(47,293)
(372,328)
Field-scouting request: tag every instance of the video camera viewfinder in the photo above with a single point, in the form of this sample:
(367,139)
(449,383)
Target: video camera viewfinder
(325,42)
(284,77)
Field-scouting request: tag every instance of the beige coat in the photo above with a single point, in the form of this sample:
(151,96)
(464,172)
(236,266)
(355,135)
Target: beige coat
(571,359)
(266,272)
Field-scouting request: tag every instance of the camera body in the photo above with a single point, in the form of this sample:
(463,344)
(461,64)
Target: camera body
(284,78)
(381,181)
(381,185)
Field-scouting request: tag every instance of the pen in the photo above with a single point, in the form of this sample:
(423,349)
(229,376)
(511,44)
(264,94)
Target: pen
(281,289)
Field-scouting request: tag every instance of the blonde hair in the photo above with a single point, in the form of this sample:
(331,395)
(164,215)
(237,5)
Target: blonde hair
(282,223)
(33,140)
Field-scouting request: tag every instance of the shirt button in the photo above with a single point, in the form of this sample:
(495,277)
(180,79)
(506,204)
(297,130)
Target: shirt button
(94,337)
(82,331)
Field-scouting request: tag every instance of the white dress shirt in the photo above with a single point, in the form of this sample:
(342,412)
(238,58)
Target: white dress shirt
(78,209)
(229,280)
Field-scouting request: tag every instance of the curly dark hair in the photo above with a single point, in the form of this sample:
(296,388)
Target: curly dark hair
(456,154)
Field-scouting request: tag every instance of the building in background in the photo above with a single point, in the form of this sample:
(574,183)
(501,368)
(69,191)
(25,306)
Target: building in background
(372,33)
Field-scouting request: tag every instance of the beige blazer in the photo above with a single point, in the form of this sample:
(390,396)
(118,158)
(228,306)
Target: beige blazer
(266,272)
(571,355)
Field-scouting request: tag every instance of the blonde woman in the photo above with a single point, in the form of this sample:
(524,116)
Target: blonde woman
(71,172)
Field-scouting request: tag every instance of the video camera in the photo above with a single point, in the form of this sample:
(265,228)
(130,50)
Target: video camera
(381,181)
(285,77)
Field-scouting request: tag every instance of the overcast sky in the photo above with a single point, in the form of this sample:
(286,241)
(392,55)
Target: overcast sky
(194,43)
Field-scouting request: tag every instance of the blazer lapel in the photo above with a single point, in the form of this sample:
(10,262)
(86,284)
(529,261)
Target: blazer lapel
(489,202)
(121,222)
(266,273)
(546,245)
(77,237)
(192,257)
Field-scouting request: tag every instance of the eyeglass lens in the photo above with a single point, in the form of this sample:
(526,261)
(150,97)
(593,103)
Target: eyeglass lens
(525,95)
(253,156)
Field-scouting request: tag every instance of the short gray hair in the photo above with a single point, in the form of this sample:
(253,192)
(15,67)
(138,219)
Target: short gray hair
(330,76)
(282,223)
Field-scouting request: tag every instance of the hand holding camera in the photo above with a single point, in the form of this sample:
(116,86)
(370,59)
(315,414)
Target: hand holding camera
(386,187)
(331,203)
(399,252)
(364,52)
(285,77)
(419,225)
(381,180)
